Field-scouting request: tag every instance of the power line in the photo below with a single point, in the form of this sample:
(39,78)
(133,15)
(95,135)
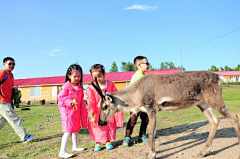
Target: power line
(212,39)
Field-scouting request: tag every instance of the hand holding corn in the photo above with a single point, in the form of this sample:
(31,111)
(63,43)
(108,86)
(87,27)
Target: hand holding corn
(92,118)
(74,103)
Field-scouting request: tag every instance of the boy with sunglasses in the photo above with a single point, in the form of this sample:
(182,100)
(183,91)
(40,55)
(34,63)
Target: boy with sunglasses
(7,114)
(142,66)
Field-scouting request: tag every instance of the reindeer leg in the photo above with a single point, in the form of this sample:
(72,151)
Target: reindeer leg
(233,118)
(152,115)
(214,121)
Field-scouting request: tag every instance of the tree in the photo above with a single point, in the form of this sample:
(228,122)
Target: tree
(226,68)
(237,68)
(162,66)
(213,68)
(128,66)
(114,67)
(151,67)
(180,68)
(167,65)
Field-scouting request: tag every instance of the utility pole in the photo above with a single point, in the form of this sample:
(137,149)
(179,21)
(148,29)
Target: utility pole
(181,57)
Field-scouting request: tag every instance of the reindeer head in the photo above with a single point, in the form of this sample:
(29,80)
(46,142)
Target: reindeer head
(108,106)
(108,109)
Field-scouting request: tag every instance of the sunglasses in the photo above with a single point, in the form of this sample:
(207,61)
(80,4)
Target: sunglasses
(11,64)
(147,63)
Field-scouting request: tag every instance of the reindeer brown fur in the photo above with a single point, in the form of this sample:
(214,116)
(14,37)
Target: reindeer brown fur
(158,92)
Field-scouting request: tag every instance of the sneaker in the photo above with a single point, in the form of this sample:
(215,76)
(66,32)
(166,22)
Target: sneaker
(77,149)
(144,138)
(65,155)
(97,147)
(29,138)
(109,146)
(126,141)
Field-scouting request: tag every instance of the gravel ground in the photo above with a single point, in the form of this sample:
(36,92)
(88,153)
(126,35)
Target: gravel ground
(180,142)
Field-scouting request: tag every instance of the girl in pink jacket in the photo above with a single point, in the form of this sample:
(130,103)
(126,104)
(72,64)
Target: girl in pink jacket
(72,109)
(101,133)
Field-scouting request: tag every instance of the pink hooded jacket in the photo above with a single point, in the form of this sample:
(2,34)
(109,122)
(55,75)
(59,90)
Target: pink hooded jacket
(102,133)
(72,120)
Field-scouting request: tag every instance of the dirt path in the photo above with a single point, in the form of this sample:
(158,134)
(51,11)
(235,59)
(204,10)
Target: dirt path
(180,142)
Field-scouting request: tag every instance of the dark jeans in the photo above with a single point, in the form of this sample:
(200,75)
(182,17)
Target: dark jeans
(132,121)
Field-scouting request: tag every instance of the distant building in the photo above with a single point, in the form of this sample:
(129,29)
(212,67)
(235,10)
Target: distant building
(47,88)
(232,76)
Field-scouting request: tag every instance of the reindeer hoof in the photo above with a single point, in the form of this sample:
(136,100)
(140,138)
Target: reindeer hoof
(200,155)
(151,155)
(203,154)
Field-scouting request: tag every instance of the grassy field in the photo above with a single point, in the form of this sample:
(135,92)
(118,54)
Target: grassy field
(44,121)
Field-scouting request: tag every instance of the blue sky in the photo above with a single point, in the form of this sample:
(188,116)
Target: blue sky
(45,37)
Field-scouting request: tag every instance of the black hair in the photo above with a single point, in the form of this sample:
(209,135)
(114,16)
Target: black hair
(7,58)
(74,67)
(98,67)
(138,58)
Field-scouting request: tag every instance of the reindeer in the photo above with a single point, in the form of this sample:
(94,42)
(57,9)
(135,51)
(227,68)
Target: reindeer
(163,92)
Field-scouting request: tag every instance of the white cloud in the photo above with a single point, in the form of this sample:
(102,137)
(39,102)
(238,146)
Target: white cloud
(141,7)
(54,52)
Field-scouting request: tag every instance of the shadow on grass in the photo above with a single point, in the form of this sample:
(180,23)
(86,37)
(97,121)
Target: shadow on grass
(33,140)
(47,137)
(82,131)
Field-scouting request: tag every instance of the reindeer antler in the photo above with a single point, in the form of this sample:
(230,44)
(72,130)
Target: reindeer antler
(98,89)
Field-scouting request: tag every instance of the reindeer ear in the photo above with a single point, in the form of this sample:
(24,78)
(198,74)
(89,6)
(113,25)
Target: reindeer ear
(120,102)
(109,98)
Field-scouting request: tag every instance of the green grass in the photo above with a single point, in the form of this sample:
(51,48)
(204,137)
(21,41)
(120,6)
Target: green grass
(232,83)
(231,94)
(44,121)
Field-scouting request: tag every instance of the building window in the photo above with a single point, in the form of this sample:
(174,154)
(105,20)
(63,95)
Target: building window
(237,78)
(54,91)
(35,91)
(127,84)
(231,78)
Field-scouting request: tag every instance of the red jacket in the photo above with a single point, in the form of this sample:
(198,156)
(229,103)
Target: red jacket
(6,87)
